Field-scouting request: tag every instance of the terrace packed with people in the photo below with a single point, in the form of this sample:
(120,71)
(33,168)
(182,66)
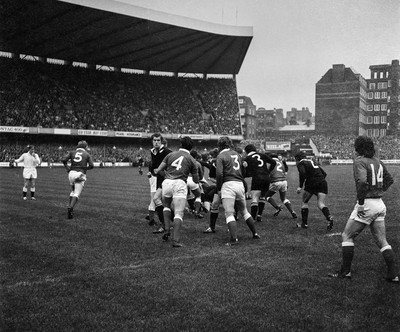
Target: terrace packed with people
(36,94)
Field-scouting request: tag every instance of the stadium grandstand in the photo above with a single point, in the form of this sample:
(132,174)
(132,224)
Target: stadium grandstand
(113,74)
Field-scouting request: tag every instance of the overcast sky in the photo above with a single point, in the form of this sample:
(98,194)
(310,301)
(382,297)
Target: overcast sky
(295,42)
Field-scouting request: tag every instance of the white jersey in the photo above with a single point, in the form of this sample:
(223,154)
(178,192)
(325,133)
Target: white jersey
(29,159)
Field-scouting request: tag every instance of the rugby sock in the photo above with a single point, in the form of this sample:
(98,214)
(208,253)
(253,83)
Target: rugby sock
(33,192)
(288,205)
(232,226)
(213,219)
(272,202)
(326,212)
(167,218)
(347,256)
(304,215)
(177,226)
(388,256)
(254,210)
(159,210)
(24,191)
(261,205)
(197,204)
(250,224)
(191,204)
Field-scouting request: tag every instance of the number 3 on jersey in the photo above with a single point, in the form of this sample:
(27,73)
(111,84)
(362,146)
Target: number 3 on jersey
(178,163)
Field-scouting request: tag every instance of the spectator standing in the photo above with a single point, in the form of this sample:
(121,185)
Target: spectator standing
(31,160)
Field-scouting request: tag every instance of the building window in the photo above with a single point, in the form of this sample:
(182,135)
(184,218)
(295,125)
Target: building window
(376,132)
(389,83)
(382,85)
(369,132)
(377,107)
(377,95)
(370,95)
(376,119)
(383,107)
(383,119)
(369,119)
(372,86)
(383,132)
(384,94)
(370,108)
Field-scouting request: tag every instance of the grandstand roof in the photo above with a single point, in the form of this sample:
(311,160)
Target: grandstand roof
(112,33)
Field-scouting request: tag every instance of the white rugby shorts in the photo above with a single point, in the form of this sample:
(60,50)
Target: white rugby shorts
(29,173)
(174,188)
(75,176)
(233,189)
(374,209)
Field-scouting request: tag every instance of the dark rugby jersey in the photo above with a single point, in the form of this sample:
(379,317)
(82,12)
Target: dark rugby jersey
(258,165)
(81,160)
(309,172)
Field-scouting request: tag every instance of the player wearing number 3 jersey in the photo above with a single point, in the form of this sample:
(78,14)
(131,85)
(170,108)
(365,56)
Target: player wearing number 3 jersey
(258,166)
(177,165)
(231,185)
(372,180)
(80,161)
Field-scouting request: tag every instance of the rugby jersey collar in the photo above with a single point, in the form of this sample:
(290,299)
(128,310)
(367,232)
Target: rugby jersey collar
(155,151)
(182,149)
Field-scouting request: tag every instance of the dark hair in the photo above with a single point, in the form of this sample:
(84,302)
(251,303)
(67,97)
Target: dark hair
(224,142)
(186,143)
(194,154)
(249,148)
(214,153)
(300,155)
(364,146)
(82,144)
(157,135)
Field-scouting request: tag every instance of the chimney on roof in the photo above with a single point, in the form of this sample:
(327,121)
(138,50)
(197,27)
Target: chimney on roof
(338,73)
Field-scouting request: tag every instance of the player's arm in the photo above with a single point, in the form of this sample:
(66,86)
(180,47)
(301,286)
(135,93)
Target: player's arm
(195,172)
(285,166)
(219,173)
(19,159)
(302,176)
(387,178)
(90,164)
(64,160)
(360,177)
(161,167)
(37,159)
(271,162)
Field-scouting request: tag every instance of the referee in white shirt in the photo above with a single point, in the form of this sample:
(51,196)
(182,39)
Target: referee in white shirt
(30,160)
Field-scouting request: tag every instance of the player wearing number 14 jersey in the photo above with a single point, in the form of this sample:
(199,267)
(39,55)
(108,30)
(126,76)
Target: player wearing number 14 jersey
(372,179)
(80,161)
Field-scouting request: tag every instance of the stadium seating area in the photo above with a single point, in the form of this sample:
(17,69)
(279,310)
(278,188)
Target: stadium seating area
(342,147)
(35,94)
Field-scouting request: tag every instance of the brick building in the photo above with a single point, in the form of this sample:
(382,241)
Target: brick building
(340,98)
(248,118)
(382,116)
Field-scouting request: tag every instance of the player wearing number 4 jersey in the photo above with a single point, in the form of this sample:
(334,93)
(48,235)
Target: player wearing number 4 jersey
(178,166)
(231,186)
(372,180)
(80,161)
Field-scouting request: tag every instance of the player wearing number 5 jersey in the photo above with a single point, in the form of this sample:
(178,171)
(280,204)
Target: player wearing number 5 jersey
(312,177)
(178,166)
(231,185)
(77,163)
(258,166)
(372,179)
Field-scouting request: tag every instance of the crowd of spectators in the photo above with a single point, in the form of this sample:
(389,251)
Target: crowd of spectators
(35,94)
(342,147)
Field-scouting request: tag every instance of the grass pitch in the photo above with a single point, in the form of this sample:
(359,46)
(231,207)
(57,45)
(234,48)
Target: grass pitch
(105,270)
